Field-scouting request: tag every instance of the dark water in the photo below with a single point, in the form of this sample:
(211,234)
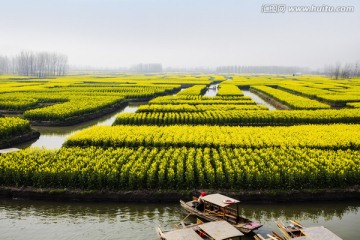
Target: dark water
(20,219)
(54,137)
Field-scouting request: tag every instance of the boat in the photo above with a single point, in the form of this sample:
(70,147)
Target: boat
(219,230)
(272,236)
(296,230)
(215,207)
(290,230)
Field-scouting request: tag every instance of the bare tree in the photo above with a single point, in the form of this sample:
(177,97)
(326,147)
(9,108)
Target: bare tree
(342,72)
(356,72)
(346,71)
(4,65)
(336,71)
(42,64)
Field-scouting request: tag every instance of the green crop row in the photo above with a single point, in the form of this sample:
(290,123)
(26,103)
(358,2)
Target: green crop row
(304,90)
(203,102)
(125,91)
(78,106)
(229,90)
(17,104)
(335,95)
(11,127)
(194,90)
(181,168)
(239,117)
(197,97)
(196,108)
(339,98)
(291,100)
(74,103)
(353,105)
(311,136)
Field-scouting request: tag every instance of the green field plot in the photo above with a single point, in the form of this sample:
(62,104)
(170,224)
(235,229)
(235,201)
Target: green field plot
(242,117)
(181,168)
(334,137)
(291,100)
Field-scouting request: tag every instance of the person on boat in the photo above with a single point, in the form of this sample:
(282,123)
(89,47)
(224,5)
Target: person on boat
(202,194)
(200,205)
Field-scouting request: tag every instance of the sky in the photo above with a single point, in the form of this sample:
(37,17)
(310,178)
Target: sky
(181,33)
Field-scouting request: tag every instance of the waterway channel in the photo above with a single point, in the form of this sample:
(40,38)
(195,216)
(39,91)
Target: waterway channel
(54,137)
(211,90)
(258,99)
(33,220)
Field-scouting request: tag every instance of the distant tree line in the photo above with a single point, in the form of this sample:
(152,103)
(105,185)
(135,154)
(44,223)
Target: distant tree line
(39,64)
(261,69)
(147,68)
(339,71)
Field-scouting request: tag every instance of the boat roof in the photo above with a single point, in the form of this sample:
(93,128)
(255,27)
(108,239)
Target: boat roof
(320,233)
(219,200)
(9,150)
(182,234)
(220,230)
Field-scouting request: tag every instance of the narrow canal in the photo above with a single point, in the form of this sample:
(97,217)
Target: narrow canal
(212,90)
(54,137)
(258,99)
(32,220)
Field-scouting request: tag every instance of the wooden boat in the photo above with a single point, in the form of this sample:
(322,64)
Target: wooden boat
(219,230)
(215,207)
(272,236)
(296,230)
(291,230)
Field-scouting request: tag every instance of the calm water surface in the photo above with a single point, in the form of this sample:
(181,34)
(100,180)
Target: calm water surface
(212,90)
(23,219)
(258,99)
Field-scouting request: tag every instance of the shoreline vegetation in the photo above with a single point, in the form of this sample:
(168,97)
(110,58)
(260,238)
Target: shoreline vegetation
(82,118)
(173,196)
(133,168)
(14,130)
(19,139)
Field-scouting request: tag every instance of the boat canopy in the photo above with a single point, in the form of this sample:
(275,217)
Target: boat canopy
(182,234)
(319,233)
(219,200)
(220,230)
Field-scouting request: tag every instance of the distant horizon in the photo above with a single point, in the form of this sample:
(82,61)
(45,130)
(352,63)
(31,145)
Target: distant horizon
(182,33)
(129,65)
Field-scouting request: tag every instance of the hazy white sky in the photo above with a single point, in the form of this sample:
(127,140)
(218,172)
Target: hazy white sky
(184,33)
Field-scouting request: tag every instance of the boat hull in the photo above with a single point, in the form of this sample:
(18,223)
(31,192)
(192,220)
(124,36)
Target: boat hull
(207,217)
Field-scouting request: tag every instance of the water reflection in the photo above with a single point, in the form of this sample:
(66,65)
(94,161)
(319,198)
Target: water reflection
(43,220)
(301,211)
(83,221)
